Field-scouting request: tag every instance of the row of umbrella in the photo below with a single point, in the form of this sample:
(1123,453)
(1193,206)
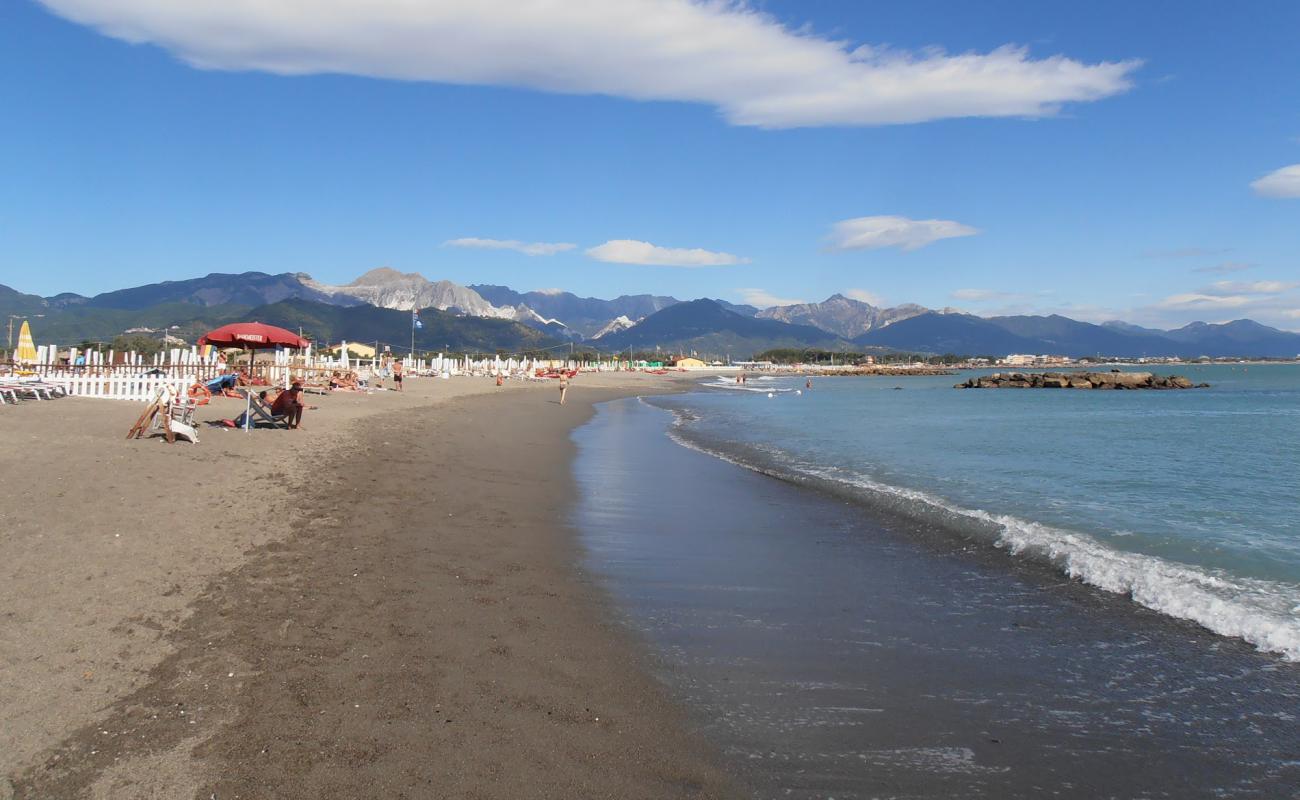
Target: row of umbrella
(248,335)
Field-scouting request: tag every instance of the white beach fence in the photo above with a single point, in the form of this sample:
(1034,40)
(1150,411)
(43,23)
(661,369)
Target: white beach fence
(137,379)
(133,376)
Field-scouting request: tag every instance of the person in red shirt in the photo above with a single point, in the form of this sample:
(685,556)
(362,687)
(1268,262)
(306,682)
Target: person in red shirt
(289,405)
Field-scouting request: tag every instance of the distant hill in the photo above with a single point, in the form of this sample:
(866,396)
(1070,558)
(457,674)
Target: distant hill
(937,333)
(186,308)
(841,316)
(1057,335)
(216,289)
(584,315)
(743,309)
(78,324)
(1064,336)
(705,327)
(1240,337)
(441,330)
(403,291)
(13,301)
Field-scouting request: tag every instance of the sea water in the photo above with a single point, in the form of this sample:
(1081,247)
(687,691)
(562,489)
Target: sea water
(1187,501)
(866,591)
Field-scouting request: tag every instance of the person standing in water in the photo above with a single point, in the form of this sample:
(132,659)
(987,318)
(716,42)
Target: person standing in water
(564,387)
(808,384)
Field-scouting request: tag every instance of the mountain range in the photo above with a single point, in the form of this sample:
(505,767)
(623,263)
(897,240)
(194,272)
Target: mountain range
(842,316)
(377,306)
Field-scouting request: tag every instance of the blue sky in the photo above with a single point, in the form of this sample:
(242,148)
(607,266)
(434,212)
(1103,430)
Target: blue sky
(739,149)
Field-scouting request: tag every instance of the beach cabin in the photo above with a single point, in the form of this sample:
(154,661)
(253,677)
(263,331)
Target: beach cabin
(690,363)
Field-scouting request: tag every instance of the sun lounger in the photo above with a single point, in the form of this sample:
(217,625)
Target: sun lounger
(37,391)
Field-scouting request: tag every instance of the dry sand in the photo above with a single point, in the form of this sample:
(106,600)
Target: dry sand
(382,604)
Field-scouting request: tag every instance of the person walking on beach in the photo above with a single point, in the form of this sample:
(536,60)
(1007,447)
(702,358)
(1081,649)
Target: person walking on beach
(564,387)
(397,375)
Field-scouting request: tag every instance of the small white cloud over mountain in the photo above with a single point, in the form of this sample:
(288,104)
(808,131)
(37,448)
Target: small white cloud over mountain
(632,251)
(527,248)
(874,233)
(753,68)
(865,296)
(1281,183)
(761,298)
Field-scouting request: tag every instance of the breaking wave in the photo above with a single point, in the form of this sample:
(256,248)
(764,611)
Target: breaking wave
(1264,613)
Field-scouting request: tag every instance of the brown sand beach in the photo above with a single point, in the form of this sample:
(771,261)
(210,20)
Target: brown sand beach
(386,603)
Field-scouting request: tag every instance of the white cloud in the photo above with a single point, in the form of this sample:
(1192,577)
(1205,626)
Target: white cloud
(527,248)
(761,298)
(631,251)
(1250,287)
(1284,182)
(1293,313)
(873,233)
(862,295)
(551,291)
(1194,300)
(754,69)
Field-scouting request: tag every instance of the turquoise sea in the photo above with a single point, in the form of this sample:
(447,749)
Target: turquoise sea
(1185,500)
(891,588)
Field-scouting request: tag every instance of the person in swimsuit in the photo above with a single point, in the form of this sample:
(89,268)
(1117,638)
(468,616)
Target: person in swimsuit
(289,405)
(397,375)
(564,387)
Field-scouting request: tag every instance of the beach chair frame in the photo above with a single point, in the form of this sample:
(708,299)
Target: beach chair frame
(259,411)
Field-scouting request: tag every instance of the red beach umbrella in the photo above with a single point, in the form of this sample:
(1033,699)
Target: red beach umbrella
(253,336)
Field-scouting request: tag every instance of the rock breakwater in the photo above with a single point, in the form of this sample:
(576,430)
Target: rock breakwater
(1079,380)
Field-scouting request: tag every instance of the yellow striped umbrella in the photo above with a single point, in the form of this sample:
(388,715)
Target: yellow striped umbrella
(26,352)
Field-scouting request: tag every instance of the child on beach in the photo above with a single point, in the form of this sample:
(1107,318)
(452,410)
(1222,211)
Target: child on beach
(564,387)
(397,375)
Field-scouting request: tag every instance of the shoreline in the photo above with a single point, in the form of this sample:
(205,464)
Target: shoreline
(360,649)
(834,649)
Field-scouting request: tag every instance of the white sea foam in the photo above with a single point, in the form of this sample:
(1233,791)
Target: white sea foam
(1263,613)
(723,382)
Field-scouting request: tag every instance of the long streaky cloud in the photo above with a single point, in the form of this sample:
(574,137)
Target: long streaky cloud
(874,233)
(1250,287)
(632,251)
(527,248)
(751,67)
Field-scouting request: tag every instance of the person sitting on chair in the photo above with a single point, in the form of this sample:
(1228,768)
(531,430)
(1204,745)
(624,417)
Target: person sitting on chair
(242,420)
(289,405)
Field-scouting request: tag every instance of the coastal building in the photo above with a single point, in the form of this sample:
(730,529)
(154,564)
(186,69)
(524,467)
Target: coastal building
(690,363)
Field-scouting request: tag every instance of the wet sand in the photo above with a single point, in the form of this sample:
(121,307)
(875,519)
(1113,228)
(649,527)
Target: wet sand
(831,649)
(384,604)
